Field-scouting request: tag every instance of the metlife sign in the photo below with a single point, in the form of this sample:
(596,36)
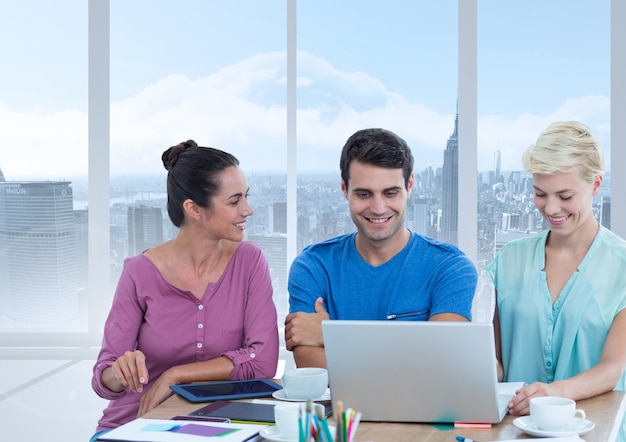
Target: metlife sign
(15,191)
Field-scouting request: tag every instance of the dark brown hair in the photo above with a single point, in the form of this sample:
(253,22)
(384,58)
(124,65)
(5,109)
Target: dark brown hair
(378,147)
(193,173)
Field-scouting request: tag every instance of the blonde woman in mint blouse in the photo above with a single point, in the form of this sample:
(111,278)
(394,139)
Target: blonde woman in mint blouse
(560,318)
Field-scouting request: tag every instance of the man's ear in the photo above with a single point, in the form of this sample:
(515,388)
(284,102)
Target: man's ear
(344,189)
(410,184)
(192,210)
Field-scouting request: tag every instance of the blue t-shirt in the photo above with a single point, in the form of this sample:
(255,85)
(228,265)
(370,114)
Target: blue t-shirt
(425,278)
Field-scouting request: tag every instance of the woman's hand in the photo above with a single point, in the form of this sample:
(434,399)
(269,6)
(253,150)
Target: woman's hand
(130,371)
(157,393)
(520,404)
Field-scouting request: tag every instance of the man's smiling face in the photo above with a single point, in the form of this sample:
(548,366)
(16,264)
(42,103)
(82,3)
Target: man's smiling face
(378,200)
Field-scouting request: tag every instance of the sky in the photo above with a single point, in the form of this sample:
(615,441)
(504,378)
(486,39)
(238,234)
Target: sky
(215,72)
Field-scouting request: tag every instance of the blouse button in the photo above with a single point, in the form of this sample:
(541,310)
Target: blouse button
(200,307)
(199,345)
(200,325)
(252,355)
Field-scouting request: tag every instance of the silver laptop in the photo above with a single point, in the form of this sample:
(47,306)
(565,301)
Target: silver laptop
(401,371)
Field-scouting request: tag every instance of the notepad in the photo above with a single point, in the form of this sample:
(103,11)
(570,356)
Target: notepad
(237,411)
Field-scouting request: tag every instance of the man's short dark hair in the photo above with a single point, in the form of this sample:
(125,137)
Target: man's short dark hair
(378,147)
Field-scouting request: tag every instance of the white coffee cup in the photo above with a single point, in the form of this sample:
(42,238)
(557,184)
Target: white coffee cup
(552,413)
(287,417)
(287,420)
(305,383)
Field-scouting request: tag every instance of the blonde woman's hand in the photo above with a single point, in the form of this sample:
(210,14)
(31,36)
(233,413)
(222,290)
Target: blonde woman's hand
(520,404)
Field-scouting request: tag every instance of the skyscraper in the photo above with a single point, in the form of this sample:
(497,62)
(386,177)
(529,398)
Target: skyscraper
(327,224)
(497,172)
(38,283)
(278,217)
(419,219)
(145,228)
(450,188)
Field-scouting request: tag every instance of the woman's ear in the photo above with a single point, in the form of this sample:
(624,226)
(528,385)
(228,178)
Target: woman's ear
(597,182)
(192,210)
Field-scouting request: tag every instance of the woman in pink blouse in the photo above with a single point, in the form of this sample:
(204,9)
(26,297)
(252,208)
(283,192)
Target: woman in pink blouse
(196,308)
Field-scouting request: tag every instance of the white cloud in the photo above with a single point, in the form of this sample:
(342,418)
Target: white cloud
(42,144)
(511,135)
(241,108)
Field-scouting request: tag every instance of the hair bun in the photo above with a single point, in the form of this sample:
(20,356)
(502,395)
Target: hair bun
(171,155)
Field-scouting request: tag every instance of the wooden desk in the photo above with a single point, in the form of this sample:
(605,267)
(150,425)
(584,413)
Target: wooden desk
(605,411)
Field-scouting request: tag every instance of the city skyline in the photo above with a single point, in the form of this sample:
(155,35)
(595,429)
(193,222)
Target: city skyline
(139,220)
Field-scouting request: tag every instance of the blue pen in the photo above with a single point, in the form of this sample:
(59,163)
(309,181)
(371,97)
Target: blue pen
(465,439)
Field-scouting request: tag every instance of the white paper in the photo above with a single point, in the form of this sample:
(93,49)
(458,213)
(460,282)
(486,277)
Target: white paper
(135,431)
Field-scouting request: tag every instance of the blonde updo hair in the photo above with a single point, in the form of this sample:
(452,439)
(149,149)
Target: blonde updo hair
(562,147)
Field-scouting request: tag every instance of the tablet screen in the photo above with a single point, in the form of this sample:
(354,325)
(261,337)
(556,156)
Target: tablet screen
(210,391)
(231,388)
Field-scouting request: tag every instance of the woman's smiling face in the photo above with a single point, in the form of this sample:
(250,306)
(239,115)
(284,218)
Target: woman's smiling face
(565,200)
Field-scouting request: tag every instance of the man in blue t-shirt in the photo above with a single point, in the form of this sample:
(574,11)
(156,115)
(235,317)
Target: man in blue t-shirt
(383,271)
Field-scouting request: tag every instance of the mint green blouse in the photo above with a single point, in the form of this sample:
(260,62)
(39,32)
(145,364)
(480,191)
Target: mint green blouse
(545,342)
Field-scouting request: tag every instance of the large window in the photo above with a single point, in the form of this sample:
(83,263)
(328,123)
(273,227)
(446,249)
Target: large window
(43,224)
(213,72)
(376,67)
(385,72)
(186,70)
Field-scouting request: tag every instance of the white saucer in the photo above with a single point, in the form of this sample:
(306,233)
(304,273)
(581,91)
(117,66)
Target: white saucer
(580,426)
(273,435)
(280,395)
